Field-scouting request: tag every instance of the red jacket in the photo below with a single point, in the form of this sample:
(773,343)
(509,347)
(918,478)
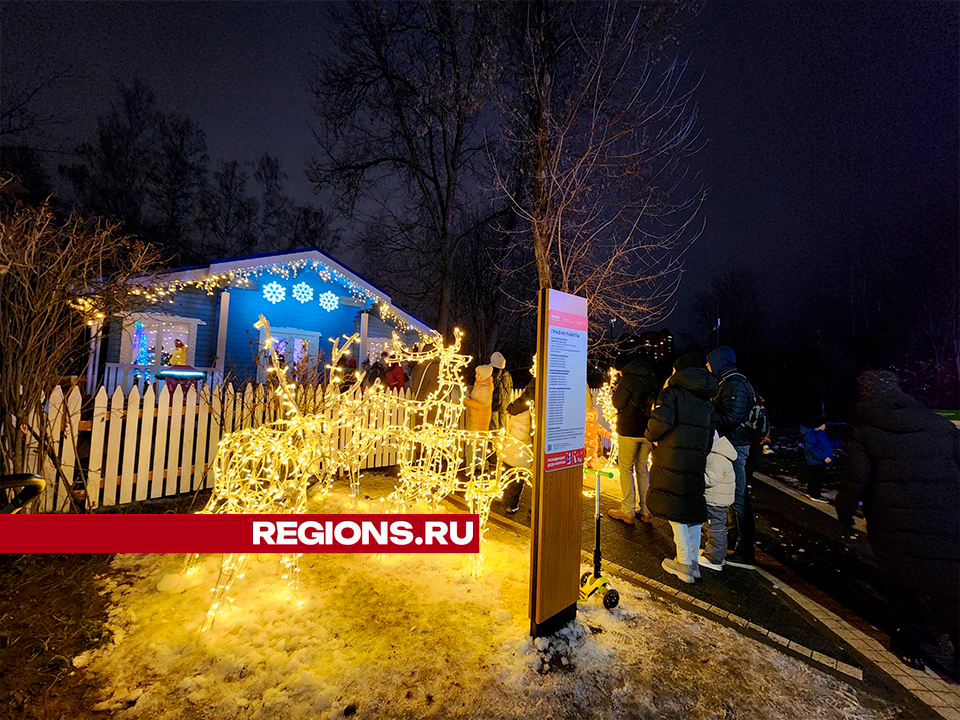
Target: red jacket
(396,377)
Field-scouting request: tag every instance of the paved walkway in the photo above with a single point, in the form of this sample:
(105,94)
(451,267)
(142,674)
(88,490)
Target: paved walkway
(778,605)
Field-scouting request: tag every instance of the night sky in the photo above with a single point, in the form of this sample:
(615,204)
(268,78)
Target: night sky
(826,122)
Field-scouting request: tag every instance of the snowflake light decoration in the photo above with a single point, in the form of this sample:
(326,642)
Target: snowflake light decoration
(274,292)
(303,292)
(329,301)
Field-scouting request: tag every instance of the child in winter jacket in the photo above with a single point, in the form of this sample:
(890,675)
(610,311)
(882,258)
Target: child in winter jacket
(818,452)
(720,483)
(593,456)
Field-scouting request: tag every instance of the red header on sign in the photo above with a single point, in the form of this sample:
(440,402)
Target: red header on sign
(440,533)
(568,321)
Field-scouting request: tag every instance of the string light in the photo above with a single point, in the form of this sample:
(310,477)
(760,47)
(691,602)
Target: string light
(266,469)
(605,400)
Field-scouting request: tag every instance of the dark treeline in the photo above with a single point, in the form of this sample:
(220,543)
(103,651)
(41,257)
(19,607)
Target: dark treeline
(468,154)
(149,169)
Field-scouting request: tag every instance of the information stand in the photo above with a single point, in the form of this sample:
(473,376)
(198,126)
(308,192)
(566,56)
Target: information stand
(560,412)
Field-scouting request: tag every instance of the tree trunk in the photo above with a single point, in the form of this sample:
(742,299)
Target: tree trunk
(446,294)
(541,158)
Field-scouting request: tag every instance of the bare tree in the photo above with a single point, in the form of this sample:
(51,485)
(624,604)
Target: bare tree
(114,173)
(399,102)
(607,130)
(20,89)
(733,300)
(306,226)
(59,280)
(179,174)
(228,216)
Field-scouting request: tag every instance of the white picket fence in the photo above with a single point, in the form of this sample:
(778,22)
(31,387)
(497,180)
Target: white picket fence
(157,445)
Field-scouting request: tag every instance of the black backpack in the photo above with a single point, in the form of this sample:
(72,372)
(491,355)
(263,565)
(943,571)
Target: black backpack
(757,422)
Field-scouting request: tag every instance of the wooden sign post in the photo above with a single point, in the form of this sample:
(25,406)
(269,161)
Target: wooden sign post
(558,452)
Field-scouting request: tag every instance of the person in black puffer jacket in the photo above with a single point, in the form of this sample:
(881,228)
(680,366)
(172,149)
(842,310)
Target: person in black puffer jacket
(903,462)
(633,398)
(682,426)
(735,398)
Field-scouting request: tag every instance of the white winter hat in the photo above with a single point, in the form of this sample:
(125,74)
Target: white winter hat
(484,371)
(498,361)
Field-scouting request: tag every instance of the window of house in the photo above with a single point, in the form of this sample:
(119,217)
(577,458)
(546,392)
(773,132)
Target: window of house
(152,340)
(299,350)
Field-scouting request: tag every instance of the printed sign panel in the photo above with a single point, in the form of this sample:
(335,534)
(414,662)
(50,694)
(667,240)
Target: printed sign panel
(566,400)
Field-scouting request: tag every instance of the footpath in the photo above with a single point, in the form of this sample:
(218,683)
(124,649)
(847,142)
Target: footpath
(814,596)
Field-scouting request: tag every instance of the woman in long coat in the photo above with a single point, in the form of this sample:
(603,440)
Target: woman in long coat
(682,427)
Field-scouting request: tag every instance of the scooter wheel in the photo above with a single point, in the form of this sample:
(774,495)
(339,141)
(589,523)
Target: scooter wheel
(611,598)
(584,579)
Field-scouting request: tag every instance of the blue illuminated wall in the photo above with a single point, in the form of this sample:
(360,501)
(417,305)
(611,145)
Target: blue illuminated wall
(247,304)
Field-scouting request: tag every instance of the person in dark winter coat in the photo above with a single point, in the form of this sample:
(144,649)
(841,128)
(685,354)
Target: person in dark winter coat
(682,426)
(633,398)
(903,463)
(733,402)
(502,391)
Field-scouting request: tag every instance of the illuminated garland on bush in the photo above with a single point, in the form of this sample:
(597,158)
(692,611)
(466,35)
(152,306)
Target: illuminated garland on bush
(605,401)
(266,469)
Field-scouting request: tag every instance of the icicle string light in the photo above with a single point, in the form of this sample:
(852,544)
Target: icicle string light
(267,469)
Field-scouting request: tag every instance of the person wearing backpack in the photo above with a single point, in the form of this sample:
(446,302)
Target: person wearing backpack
(736,404)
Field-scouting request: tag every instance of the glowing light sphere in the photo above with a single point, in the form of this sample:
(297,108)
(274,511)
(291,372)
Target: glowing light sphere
(329,301)
(303,292)
(274,292)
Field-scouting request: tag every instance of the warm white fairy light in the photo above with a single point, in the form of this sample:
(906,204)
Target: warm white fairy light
(274,292)
(266,469)
(605,400)
(303,292)
(328,301)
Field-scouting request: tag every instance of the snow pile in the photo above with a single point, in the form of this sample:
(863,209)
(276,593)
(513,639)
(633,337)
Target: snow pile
(417,636)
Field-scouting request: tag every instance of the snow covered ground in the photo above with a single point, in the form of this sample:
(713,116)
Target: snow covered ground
(417,636)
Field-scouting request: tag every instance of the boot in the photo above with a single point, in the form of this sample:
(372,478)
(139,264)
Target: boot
(906,646)
(684,572)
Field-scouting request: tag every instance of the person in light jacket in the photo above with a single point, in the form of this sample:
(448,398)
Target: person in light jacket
(720,488)
(479,401)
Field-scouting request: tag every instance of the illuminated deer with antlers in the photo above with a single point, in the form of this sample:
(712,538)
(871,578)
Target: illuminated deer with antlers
(267,469)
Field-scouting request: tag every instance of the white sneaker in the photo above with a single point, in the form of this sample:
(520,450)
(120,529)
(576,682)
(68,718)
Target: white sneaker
(707,564)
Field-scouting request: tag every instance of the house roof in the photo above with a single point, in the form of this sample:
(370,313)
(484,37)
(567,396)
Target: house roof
(263,261)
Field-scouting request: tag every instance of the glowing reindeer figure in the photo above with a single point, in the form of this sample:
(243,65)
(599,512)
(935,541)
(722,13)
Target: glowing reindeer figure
(267,469)
(432,445)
